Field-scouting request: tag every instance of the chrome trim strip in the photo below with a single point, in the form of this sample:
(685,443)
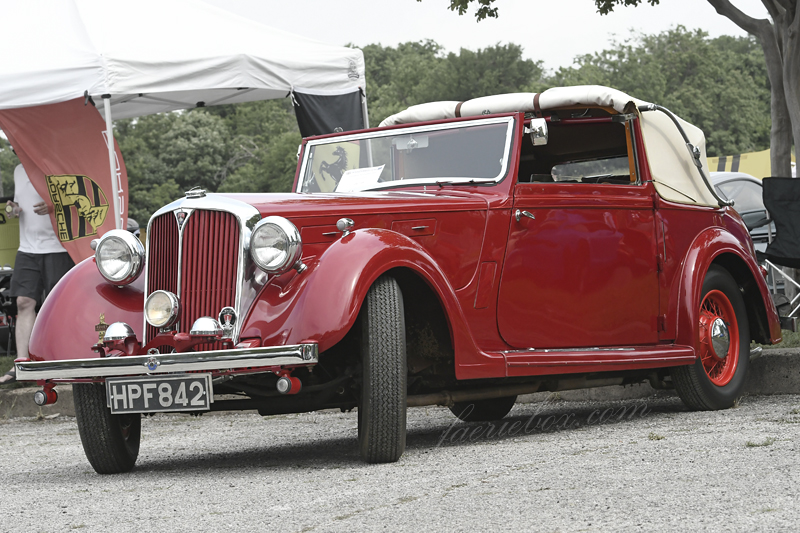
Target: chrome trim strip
(557,350)
(297,354)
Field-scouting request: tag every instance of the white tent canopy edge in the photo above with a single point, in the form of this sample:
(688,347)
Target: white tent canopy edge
(147,56)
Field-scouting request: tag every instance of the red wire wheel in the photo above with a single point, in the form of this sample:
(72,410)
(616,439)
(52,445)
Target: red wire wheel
(719,338)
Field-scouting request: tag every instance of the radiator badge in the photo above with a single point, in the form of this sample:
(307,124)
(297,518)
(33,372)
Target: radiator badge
(181,216)
(227,319)
(101,327)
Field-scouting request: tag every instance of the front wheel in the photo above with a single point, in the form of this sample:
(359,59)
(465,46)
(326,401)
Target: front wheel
(717,377)
(382,405)
(110,442)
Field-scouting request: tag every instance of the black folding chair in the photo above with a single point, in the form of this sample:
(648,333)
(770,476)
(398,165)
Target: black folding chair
(782,200)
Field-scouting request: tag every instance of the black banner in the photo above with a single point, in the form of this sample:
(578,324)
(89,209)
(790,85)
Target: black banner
(782,200)
(322,114)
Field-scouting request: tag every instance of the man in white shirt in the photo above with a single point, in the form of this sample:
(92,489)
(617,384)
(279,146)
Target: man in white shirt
(41,260)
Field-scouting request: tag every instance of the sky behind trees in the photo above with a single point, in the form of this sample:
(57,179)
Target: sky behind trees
(554,32)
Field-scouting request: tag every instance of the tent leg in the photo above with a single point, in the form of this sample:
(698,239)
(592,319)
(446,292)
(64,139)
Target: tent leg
(112,161)
(366,124)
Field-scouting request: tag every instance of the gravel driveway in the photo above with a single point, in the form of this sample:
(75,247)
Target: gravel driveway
(637,465)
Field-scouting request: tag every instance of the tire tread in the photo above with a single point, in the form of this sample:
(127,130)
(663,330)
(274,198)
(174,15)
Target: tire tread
(383,435)
(101,435)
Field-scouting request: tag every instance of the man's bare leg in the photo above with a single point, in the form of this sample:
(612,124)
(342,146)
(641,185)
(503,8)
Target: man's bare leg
(26,316)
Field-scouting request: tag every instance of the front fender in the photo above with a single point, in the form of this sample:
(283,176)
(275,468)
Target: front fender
(65,325)
(322,303)
(708,248)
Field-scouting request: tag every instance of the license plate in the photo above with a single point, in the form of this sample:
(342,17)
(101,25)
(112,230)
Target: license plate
(185,392)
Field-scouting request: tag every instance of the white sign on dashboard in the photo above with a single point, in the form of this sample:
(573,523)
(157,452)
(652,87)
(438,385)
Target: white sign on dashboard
(358,179)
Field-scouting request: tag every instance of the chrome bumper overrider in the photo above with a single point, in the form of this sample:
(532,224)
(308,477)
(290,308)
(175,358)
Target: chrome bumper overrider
(221,360)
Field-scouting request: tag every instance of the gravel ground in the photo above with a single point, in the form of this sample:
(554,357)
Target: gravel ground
(637,465)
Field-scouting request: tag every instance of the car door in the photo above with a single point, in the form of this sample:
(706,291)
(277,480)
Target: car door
(580,267)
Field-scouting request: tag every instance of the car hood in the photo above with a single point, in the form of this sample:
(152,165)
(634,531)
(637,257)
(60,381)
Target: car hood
(323,205)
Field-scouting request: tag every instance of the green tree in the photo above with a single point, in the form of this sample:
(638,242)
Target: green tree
(780,43)
(717,84)
(168,154)
(418,72)
(8,162)
(263,148)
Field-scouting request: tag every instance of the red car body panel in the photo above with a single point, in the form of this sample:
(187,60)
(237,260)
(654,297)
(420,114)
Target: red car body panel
(65,326)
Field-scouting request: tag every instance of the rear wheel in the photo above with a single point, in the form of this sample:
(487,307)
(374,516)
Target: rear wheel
(111,442)
(483,410)
(717,377)
(382,405)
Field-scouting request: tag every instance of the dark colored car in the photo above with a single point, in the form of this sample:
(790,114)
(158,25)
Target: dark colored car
(746,193)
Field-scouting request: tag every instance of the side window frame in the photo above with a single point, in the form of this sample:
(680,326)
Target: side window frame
(627,120)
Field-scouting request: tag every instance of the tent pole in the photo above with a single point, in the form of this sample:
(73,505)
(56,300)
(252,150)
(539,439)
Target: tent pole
(112,161)
(365,113)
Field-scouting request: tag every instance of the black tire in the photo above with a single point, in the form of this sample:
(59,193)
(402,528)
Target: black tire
(111,442)
(694,383)
(483,410)
(382,405)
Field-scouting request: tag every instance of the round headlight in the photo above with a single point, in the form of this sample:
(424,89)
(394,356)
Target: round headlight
(119,256)
(161,309)
(275,245)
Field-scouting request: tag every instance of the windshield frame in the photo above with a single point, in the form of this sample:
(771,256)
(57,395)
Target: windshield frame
(509,120)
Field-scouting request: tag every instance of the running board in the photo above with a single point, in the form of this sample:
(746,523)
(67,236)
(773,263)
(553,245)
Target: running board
(574,360)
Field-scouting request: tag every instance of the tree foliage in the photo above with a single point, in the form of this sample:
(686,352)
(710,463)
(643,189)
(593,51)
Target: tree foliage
(417,72)
(253,147)
(247,147)
(779,37)
(8,162)
(720,85)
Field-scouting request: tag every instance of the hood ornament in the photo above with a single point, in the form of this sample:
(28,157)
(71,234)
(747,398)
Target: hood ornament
(227,319)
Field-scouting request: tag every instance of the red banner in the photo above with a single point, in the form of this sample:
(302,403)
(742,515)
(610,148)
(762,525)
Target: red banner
(64,151)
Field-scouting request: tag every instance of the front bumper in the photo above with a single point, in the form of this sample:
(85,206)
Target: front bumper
(216,360)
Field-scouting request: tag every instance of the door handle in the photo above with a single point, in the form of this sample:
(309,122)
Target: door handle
(519,214)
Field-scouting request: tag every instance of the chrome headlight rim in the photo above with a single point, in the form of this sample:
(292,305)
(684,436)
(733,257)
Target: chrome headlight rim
(174,309)
(133,247)
(291,237)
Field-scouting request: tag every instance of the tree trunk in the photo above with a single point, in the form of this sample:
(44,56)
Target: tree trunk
(781,133)
(779,40)
(791,77)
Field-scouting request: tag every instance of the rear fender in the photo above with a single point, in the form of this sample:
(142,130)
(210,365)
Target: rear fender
(65,326)
(716,245)
(322,303)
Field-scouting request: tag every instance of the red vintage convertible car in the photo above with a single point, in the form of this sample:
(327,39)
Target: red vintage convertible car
(461,254)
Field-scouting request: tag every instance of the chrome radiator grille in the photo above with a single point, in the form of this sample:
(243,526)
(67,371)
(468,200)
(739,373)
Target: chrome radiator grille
(205,252)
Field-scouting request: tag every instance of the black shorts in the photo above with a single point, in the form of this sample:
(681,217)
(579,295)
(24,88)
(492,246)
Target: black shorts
(35,275)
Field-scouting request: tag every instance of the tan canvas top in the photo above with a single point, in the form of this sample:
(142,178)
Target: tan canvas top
(675,176)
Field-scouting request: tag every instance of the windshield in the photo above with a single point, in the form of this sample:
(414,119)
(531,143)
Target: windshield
(456,152)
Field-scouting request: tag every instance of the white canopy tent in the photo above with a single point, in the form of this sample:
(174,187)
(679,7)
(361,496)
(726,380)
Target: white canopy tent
(147,56)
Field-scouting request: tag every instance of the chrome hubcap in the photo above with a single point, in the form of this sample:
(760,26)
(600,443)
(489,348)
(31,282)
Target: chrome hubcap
(720,338)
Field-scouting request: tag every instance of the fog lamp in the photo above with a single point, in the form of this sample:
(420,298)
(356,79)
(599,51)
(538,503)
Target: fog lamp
(118,331)
(161,309)
(205,326)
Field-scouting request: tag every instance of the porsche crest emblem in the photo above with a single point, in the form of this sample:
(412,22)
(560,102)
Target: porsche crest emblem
(80,206)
